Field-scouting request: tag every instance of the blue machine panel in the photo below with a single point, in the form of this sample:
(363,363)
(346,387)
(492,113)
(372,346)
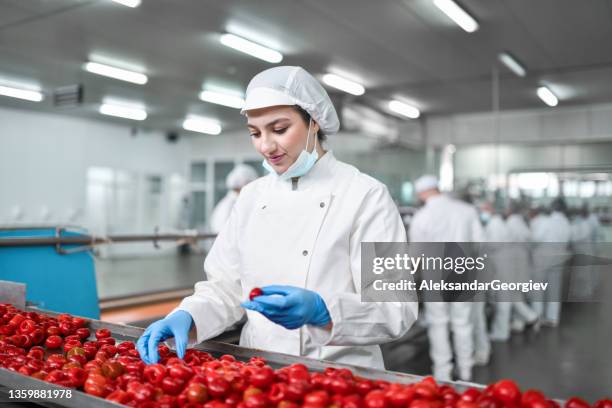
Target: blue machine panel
(55,281)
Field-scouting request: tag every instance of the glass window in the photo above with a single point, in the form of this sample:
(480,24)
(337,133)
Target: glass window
(198,172)
(152,201)
(222,169)
(198,210)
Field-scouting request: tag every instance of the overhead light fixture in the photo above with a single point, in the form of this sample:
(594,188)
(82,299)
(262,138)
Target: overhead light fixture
(512,64)
(219,98)
(202,125)
(404,109)
(20,93)
(343,84)
(116,73)
(129,3)
(126,112)
(251,48)
(547,96)
(457,14)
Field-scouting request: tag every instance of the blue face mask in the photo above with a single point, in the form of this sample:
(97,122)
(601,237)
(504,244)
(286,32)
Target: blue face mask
(302,165)
(485,217)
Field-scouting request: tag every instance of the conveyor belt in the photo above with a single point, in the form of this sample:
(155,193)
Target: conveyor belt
(10,380)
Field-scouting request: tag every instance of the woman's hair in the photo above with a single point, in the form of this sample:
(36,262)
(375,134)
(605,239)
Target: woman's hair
(306,116)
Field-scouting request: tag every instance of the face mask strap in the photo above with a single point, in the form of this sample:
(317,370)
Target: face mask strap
(308,138)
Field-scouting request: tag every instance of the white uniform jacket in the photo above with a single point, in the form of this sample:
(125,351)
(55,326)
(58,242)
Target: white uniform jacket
(308,236)
(222,211)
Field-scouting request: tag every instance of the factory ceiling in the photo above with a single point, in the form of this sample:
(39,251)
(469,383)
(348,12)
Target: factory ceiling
(397,49)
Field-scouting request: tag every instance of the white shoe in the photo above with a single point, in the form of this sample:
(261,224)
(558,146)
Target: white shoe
(442,376)
(481,358)
(550,323)
(498,337)
(517,326)
(465,374)
(535,325)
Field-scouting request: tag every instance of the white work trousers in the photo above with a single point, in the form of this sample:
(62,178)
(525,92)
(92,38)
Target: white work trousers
(439,315)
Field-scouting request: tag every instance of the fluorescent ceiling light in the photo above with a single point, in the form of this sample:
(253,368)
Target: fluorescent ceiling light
(116,73)
(512,64)
(343,84)
(129,3)
(547,96)
(26,94)
(123,111)
(201,125)
(219,98)
(251,48)
(457,14)
(404,109)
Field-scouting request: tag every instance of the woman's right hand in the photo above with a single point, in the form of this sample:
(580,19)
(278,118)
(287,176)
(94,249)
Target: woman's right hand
(176,325)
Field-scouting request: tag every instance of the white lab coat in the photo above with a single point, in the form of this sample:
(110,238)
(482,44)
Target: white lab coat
(311,238)
(581,281)
(580,231)
(222,211)
(554,228)
(444,219)
(596,234)
(511,264)
(520,235)
(534,223)
(518,229)
(496,230)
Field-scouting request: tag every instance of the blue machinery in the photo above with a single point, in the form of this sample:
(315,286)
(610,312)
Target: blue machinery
(57,264)
(56,278)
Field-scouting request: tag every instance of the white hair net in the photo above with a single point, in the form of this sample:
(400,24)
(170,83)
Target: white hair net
(240,176)
(287,85)
(425,182)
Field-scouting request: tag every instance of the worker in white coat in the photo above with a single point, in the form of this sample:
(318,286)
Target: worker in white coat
(593,220)
(295,233)
(240,176)
(536,215)
(523,315)
(445,219)
(581,282)
(511,265)
(551,238)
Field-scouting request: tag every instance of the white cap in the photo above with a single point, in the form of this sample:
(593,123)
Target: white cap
(240,176)
(425,182)
(287,85)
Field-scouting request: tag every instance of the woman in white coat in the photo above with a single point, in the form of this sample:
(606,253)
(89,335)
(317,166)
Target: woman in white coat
(240,176)
(297,233)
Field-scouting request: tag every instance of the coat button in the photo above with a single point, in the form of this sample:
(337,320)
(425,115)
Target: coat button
(304,252)
(322,204)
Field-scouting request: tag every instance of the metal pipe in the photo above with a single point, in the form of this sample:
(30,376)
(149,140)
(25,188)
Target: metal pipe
(97,240)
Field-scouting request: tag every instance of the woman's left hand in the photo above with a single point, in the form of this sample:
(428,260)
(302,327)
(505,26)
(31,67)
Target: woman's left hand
(290,306)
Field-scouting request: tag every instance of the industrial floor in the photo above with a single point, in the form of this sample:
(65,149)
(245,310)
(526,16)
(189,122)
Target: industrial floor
(573,359)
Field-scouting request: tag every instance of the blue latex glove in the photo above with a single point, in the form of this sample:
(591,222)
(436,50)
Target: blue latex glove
(176,325)
(289,306)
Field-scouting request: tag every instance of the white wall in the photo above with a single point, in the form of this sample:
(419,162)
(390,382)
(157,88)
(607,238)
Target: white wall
(547,125)
(44,160)
(484,159)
